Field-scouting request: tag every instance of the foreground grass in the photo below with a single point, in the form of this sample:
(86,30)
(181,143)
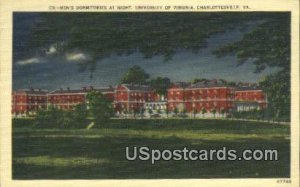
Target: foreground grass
(100,153)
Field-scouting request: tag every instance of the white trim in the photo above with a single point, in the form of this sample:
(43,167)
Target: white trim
(250,101)
(248,90)
(199,88)
(64,104)
(30,95)
(55,94)
(140,91)
(202,100)
(129,102)
(22,104)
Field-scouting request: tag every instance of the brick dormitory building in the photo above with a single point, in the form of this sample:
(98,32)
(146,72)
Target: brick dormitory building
(67,99)
(211,97)
(28,101)
(193,98)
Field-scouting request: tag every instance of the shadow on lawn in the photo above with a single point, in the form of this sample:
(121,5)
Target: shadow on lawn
(104,158)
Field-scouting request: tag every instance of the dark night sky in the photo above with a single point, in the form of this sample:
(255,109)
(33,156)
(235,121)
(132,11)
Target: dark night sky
(49,72)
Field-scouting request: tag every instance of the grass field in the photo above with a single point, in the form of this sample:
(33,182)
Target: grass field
(99,153)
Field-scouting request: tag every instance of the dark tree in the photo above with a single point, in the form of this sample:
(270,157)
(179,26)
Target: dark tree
(277,87)
(268,45)
(99,106)
(158,111)
(151,34)
(150,111)
(135,75)
(176,111)
(50,118)
(142,112)
(79,115)
(160,84)
(195,112)
(214,111)
(223,111)
(167,111)
(203,111)
(196,80)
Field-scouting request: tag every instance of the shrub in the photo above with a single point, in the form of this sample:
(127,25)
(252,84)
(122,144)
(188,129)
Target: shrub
(100,107)
(50,118)
(57,118)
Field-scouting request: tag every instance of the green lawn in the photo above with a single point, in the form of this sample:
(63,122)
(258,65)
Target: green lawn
(99,153)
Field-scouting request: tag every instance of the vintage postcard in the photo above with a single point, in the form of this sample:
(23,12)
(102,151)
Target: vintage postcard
(137,93)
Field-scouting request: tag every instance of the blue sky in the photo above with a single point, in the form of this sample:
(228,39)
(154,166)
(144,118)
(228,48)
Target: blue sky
(52,71)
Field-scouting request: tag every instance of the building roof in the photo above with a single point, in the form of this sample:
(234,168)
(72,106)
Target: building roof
(244,88)
(138,87)
(208,84)
(180,85)
(32,91)
(83,90)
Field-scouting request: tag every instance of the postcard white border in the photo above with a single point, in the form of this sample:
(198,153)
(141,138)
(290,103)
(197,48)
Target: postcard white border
(7,7)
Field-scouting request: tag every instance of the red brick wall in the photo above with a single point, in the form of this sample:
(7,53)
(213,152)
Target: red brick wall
(121,97)
(252,95)
(23,102)
(131,99)
(197,98)
(249,95)
(66,101)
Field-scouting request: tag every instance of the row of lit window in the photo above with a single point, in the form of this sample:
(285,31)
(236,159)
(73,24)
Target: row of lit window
(201,91)
(193,98)
(204,104)
(67,97)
